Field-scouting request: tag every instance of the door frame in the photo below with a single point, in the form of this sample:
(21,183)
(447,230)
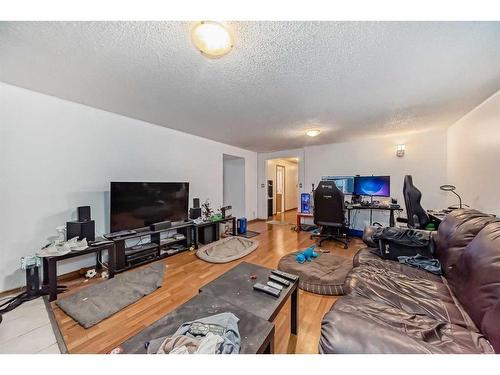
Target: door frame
(284,187)
(262,174)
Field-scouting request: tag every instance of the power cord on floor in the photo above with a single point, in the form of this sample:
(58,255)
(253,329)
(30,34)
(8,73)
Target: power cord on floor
(13,302)
(102,264)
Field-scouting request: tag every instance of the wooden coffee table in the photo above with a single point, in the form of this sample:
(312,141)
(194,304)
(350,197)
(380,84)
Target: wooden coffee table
(257,334)
(236,287)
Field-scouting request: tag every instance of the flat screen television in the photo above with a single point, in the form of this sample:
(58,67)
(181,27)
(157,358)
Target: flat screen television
(379,186)
(139,204)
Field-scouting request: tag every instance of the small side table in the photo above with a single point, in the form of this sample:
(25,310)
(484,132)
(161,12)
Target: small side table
(300,215)
(50,265)
(215,227)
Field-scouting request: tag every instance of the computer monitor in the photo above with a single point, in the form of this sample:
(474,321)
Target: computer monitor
(344,183)
(379,186)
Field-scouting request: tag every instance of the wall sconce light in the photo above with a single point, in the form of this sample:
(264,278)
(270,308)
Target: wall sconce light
(400,150)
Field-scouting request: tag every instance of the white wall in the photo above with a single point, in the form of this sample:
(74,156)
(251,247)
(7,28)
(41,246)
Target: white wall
(291,182)
(234,184)
(474,155)
(291,185)
(56,155)
(425,160)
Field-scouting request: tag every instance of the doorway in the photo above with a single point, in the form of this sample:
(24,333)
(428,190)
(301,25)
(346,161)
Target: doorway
(283,184)
(233,187)
(280,189)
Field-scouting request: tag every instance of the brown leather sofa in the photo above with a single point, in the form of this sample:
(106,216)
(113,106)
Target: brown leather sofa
(394,308)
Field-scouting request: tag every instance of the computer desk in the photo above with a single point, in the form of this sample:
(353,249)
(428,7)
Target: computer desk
(371,207)
(351,207)
(438,217)
(300,215)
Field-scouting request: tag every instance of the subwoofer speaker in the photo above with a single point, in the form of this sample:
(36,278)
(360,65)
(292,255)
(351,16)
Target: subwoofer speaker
(81,229)
(194,213)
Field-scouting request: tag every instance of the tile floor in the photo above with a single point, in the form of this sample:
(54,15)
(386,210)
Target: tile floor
(27,330)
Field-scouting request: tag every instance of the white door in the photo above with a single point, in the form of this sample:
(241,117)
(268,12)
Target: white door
(280,188)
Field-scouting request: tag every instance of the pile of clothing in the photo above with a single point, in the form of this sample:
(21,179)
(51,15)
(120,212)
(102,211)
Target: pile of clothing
(216,334)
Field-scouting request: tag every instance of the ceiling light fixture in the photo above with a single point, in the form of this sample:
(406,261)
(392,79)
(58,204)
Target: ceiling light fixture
(313,132)
(212,39)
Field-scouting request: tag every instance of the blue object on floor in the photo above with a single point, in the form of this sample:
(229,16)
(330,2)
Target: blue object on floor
(306,255)
(242,225)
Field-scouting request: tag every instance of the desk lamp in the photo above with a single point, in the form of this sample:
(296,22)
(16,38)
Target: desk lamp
(452,189)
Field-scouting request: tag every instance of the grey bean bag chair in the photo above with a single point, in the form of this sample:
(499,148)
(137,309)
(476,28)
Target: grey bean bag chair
(322,275)
(227,249)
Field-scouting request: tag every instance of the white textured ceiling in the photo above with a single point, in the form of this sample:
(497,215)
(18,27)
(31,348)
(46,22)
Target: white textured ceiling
(351,79)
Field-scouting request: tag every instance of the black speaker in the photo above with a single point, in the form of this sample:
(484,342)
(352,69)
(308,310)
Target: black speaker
(161,225)
(196,202)
(83,213)
(81,229)
(194,213)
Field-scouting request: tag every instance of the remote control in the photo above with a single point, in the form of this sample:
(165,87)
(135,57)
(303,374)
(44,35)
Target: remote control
(285,275)
(275,285)
(280,280)
(267,289)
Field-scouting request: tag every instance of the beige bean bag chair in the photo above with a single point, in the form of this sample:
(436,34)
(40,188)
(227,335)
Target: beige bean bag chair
(323,275)
(227,249)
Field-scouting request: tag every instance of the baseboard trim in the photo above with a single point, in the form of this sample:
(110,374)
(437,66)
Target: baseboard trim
(255,221)
(12,291)
(69,276)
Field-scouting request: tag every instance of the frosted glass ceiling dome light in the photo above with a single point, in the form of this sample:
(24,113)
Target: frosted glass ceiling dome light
(313,132)
(213,39)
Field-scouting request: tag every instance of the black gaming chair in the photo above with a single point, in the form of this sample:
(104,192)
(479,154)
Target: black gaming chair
(417,216)
(329,213)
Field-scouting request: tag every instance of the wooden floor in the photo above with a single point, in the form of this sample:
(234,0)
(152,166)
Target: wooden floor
(186,274)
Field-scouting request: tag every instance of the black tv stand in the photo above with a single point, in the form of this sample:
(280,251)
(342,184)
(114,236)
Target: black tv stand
(159,248)
(156,248)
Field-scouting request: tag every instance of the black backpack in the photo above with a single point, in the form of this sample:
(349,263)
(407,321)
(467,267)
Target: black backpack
(394,242)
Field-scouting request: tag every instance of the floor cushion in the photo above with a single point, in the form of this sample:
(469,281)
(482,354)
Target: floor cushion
(323,275)
(227,249)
